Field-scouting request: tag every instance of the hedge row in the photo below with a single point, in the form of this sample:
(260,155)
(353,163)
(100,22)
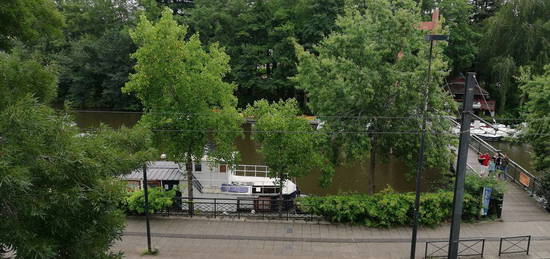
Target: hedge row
(387,208)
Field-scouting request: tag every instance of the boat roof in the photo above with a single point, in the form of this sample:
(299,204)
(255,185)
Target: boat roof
(158,170)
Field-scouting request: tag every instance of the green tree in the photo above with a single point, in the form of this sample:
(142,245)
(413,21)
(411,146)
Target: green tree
(257,36)
(95,70)
(179,82)
(536,89)
(28,21)
(95,56)
(517,35)
(21,76)
(288,143)
(60,192)
(463,35)
(358,80)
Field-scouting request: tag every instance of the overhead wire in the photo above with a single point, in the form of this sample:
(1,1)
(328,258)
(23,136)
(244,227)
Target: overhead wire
(316,116)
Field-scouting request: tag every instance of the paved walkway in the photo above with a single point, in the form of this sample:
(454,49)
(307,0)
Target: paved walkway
(197,238)
(230,238)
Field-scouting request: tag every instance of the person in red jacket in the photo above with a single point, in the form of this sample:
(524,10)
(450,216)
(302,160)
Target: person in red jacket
(485,163)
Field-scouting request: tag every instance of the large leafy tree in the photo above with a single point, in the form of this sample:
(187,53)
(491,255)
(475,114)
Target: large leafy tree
(537,91)
(358,80)
(288,142)
(517,35)
(59,192)
(95,56)
(20,76)
(463,35)
(179,82)
(28,21)
(256,35)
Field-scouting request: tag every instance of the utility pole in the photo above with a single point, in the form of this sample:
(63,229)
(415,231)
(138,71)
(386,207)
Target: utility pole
(458,199)
(146,193)
(420,159)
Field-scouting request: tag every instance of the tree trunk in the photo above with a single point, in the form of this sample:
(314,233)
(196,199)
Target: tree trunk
(373,165)
(189,169)
(280,195)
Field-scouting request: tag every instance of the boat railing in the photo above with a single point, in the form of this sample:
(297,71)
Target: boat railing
(251,170)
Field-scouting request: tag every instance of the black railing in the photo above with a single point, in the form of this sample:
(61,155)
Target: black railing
(513,171)
(265,208)
(466,247)
(514,245)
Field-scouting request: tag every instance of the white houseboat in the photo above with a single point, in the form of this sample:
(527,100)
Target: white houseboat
(212,180)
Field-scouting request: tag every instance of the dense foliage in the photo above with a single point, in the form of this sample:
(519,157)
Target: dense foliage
(288,143)
(29,21)
(158,199)
(179,82)
(389,209)
(517,35)
(94,55)
(463,34)
(21,76)
(537,92)
(60,194)
(59,190)
(366,78)
(257,36)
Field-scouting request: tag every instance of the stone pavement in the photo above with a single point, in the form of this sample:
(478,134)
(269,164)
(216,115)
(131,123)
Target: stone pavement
(177,237)
(204,238)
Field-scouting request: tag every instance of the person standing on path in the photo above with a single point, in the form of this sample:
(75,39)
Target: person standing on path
(492,165)
(485,163)
(504,166)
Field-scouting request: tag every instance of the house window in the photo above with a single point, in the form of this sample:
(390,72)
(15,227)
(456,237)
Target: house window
(223,168)
(198,167)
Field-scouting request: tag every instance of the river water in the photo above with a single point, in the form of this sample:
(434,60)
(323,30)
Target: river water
(354,178)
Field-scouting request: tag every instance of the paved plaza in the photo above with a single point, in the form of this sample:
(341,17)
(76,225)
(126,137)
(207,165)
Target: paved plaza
(177,237)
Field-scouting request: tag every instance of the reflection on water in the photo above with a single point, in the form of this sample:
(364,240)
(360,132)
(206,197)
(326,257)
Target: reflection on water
(347,179)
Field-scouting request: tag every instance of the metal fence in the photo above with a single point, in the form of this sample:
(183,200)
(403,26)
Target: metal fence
(514,245)
(466,247)
(265,208)
(513,171)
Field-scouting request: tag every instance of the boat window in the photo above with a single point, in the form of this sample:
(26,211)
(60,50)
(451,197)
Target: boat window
(198,167)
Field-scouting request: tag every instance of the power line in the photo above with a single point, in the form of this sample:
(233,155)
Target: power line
(317,132)
(316,116)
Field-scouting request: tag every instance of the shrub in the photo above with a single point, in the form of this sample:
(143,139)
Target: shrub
(388,208)
(158,199)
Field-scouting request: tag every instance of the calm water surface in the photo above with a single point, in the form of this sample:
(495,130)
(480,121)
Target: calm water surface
(353,178)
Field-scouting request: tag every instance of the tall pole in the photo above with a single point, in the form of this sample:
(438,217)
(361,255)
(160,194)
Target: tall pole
(146,194)
(458,199)
(420,159)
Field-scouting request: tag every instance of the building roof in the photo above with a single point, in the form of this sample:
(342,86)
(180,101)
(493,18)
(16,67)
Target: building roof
(457,87)
(158,170)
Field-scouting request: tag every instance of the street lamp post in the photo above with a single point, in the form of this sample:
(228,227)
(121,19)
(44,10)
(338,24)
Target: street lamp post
(420,161)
